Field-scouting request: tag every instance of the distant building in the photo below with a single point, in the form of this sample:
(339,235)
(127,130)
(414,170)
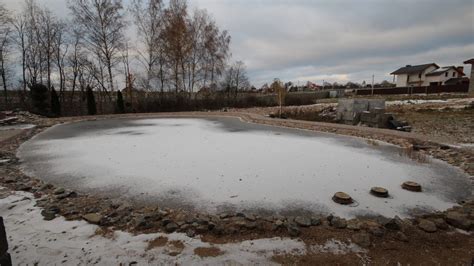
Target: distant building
(312,86)
(471,83)
(442,75)
(426,75)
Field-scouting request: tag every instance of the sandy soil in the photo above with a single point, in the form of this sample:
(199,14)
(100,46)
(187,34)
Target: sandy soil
(451,122)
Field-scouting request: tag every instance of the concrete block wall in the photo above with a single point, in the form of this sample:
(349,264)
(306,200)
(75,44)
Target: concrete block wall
(350,111)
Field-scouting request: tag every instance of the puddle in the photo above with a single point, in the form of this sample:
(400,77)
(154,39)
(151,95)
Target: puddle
(222,163)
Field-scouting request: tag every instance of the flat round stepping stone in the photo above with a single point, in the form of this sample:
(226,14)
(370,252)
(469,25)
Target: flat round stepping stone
(379,192)
(342,198)
(411,186)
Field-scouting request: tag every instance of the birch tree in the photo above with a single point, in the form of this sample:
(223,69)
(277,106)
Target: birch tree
(19,38)
(149,20)
(280,90)
(104,25)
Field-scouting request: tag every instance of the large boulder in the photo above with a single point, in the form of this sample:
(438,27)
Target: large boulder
(459,220)
(427,226)
(48,215)
(362,239)
(339,223)
(293,230)
(93,218)
(303,221)
(394,224)
(171,227)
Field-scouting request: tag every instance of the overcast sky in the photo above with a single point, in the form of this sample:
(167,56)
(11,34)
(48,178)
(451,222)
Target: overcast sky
(336,40)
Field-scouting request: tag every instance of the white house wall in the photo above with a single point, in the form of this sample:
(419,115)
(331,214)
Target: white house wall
(429,79)
(452,73)
(402,80)
(424,77)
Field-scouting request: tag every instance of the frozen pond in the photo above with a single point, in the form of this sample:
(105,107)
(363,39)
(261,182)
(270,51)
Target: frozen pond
(214,164)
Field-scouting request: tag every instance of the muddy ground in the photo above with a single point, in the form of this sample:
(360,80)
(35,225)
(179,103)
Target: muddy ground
(445,119)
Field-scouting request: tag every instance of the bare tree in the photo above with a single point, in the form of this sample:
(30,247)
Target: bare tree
(198,33)
(280,90)
(46,30)
(60,52)
(176,42)
(241,79)
(177,49)
(19,38)
(4,48)
(235,79)
(216,45)
(34,52)
(148,17)
(103,22)
(127,74)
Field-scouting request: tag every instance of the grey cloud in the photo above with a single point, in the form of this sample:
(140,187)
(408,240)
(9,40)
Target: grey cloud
(337,39)
(287,39)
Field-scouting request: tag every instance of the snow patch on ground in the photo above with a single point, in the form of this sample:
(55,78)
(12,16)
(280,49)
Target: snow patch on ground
(17,126)
(337,247)
(464,145)
(458,101)
(404,102)
(35,241)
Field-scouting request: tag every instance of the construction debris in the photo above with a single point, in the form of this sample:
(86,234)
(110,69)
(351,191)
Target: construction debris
(368,112)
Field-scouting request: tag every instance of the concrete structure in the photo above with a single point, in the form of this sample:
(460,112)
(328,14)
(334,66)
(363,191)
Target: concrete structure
(426,75)
(369,112)
(471,83)
(336,93)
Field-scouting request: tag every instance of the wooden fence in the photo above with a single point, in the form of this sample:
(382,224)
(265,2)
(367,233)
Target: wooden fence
(460,88)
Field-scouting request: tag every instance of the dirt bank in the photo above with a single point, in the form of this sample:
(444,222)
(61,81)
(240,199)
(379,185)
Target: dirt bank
(429,238)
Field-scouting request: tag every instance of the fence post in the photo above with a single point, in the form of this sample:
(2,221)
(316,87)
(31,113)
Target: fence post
(5,258)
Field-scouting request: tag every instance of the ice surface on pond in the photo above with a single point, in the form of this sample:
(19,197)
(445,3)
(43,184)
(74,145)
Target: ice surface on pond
(213,164)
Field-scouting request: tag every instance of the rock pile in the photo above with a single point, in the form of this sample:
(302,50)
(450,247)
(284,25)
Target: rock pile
(18,117)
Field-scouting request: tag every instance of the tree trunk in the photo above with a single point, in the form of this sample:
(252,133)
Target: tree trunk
(111,78)
(23,64)
(4,79)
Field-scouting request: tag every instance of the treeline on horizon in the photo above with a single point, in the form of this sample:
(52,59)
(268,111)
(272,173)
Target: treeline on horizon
(173,50)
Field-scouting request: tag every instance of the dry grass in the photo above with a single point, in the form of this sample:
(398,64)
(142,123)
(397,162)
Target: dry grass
(104,232)
(372,142)
(174,248)
(157,242)
(177,244)
(414,155)
(208,252)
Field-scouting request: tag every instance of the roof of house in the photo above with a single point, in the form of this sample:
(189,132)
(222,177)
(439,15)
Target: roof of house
(413,69)
(442,70)
(470,61)
(437,72)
